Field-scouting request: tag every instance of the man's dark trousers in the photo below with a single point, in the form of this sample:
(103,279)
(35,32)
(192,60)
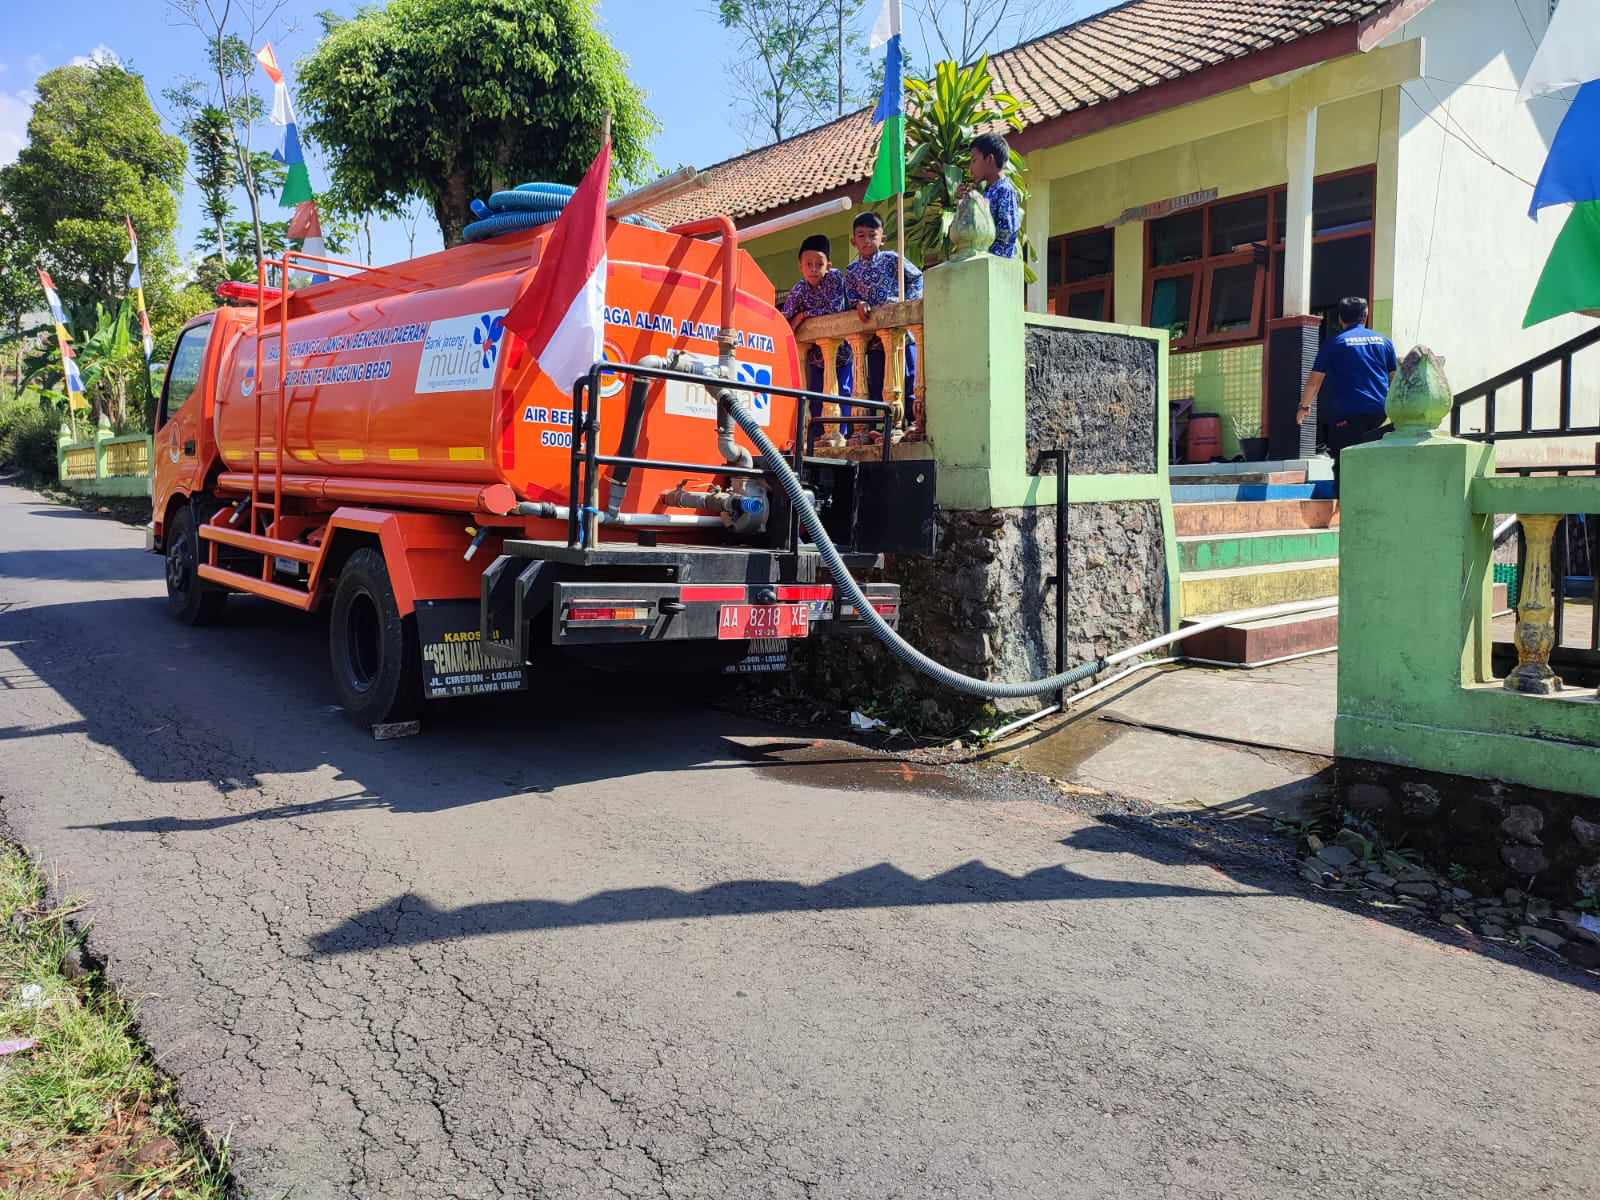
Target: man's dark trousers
(1351,431)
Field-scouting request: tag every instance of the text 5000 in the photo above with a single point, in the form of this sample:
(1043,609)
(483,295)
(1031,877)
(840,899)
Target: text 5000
(555,437)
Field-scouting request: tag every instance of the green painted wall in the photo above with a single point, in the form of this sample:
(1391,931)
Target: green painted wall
(1415,685)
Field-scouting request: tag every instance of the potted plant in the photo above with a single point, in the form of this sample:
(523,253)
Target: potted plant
(1252,445)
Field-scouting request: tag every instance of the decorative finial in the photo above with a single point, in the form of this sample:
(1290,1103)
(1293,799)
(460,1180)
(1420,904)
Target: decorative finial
(972,231)
(1420,396)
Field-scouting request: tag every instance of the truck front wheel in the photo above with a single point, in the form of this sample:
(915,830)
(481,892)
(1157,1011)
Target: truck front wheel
(192,600)
(377,665)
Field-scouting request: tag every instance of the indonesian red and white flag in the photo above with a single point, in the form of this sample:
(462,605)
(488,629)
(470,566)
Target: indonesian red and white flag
(561,312)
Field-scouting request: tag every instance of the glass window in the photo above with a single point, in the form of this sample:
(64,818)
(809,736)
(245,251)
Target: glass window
(1178,238)
(1088,256)
(1343,204)
(1340,268)
(1238,224)
(1233,299)
(183,376)
(1170,301)
(1054,259)
(1089,305)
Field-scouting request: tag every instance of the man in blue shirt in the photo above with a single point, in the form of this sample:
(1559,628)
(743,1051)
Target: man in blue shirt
(1353,371)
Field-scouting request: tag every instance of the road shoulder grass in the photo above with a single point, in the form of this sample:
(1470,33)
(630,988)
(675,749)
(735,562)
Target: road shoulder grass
(84,1111)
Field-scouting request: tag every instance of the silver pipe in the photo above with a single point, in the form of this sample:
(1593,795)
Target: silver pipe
(669,187)
(778,224)
(560,512)
(1501,529)
(1217,622)
(1249,614)
(1005,730)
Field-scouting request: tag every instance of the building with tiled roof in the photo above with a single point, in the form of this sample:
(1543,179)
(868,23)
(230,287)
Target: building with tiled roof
(1230,169)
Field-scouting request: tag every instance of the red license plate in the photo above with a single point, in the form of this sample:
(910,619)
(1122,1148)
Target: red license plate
(746,621)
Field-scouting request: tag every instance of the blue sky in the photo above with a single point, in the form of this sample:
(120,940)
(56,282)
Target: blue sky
(676,51)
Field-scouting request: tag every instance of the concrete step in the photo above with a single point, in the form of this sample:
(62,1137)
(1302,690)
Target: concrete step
(1201,493)
(1260,641)
(1214,552)
(1182,471)
(1246,641)
(1191,520)
(1239,477)
(1206,592)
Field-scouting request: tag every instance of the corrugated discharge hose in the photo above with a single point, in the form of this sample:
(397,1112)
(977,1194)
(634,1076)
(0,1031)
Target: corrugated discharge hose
(898,646)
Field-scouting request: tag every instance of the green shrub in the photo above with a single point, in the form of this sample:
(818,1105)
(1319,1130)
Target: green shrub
(28,443)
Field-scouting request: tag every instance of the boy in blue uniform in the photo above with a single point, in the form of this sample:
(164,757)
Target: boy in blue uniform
(820,292)
(1353,370)
(990,160)
(874,279)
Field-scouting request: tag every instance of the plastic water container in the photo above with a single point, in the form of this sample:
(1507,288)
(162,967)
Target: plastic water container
(1205,437)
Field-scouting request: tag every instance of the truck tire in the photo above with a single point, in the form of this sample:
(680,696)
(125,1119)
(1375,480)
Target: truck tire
(192,600)
(377,664)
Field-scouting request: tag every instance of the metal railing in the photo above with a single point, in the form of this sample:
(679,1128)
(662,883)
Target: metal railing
(1558,554)
(583,516)
(895,327)
(1525,377)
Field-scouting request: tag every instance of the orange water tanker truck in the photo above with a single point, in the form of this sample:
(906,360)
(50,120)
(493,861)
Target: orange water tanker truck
(377,447)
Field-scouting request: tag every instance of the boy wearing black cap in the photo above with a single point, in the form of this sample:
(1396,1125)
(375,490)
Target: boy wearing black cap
(820,292)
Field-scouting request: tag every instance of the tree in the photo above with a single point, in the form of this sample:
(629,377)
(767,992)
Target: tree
(212,162)
(449,100)
(19,295)
(230,29)
(96,155)
(784,77)
(960,30)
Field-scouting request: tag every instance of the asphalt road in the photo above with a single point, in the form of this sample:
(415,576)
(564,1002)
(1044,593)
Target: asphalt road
(612,944)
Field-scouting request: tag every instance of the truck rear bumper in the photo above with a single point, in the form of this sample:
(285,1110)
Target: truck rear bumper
(617,595)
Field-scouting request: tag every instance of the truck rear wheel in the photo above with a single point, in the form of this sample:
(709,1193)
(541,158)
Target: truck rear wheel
(193,601)
(377,665)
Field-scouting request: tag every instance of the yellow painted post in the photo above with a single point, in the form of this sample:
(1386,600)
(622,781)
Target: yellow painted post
(919,391)
(858,375)
(830,384)
(1536,636)
(894,371)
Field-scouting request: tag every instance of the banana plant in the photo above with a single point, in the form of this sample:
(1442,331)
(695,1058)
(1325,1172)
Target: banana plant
(110,360)
(943,115)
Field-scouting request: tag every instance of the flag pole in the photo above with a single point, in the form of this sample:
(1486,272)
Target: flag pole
(900,223)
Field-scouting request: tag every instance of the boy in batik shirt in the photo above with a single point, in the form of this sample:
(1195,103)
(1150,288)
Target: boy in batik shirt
(819,293)
(874,279)
(990,160)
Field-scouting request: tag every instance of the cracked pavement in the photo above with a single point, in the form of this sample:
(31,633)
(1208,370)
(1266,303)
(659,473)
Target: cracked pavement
(609,944)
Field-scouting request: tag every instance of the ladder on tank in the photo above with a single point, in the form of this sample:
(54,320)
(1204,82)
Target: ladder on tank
(261,536)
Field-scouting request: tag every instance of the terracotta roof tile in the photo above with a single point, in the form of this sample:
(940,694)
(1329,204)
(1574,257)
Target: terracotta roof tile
(1136,45)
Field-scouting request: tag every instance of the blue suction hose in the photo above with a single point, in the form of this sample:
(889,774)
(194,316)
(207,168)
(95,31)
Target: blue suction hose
(524,207)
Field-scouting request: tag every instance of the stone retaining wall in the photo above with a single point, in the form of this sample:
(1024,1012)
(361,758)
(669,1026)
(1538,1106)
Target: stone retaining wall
(981,607)
(1500,834)
(1095,395)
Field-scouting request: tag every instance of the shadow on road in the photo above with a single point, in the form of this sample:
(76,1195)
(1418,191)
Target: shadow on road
(410,919)
(1225,846)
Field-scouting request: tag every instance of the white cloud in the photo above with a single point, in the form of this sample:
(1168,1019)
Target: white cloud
(4,67)
(36,64)
(100,54)
(14,110)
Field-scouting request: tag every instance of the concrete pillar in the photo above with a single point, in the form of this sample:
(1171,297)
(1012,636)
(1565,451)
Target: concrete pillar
(977,422)
(1410,544)
(102,435)
(1302,155)
(1037,220)
(1127,272)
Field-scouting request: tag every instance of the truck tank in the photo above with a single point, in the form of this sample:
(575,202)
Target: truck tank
(404,373)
